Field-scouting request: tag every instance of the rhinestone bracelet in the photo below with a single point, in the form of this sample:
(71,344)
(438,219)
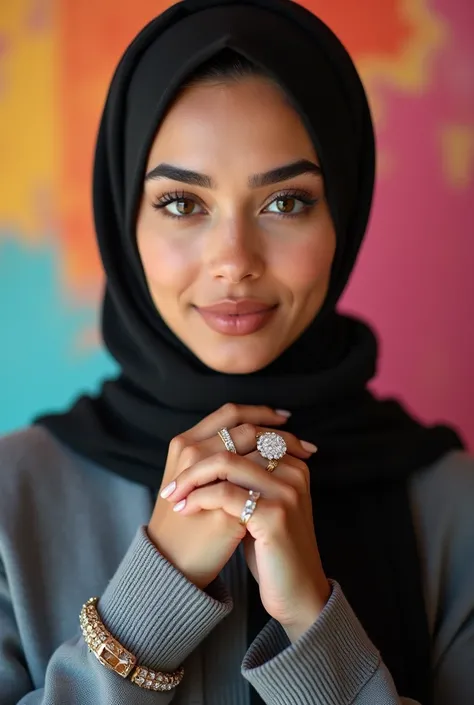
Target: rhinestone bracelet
(113,655)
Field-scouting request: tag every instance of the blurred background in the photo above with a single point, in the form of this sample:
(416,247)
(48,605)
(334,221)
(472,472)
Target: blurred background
(414,280)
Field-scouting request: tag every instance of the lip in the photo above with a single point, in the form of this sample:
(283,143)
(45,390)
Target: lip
(237,317)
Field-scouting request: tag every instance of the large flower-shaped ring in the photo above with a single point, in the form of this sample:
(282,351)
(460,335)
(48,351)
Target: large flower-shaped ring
(272,447)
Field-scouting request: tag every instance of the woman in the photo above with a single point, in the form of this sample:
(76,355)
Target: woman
(232,187)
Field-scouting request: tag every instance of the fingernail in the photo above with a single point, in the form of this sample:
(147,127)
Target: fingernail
(169,489)
(283,412)
(181,505)
(310,447)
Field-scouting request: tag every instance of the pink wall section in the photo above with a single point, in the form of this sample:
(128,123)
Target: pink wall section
(414,279)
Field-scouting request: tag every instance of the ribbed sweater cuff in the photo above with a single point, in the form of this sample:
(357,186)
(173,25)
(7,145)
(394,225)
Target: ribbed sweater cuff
(154,611)
(328,665)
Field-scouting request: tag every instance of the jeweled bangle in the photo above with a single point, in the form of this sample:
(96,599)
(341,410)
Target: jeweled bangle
(113,655)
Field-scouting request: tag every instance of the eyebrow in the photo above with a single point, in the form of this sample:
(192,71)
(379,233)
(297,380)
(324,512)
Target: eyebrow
(274,176)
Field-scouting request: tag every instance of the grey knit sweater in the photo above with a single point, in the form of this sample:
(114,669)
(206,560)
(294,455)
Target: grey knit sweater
(70,530)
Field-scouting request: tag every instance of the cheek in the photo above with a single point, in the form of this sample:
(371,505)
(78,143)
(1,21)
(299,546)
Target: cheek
(168,265)
(305,265)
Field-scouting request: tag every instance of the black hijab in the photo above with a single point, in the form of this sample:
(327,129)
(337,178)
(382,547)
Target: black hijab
(368,448)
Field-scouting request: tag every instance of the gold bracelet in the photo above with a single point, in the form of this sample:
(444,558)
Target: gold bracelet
(113,655)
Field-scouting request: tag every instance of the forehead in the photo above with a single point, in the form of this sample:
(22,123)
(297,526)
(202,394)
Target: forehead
(253,115)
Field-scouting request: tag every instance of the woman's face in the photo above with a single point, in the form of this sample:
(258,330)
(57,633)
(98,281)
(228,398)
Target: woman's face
(234,231)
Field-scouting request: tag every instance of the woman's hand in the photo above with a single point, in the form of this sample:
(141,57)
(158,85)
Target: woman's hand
(200,545)
(281,546)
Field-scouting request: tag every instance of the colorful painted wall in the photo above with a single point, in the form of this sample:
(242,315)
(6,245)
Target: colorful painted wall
(413,281)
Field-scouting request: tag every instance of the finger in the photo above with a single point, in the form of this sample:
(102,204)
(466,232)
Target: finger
(223,495)
(231,415)
(225,466)
(267,515)
(245,441)
(291,470)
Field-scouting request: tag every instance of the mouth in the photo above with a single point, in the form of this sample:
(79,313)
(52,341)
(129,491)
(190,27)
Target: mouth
(242,317)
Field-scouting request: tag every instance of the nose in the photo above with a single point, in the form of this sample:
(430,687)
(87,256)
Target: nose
(234,252)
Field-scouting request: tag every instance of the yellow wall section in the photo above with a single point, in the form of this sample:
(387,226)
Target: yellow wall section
(28,121)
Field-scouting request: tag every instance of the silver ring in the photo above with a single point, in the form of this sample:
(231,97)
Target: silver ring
(226,439)
(272,447)
(249,507)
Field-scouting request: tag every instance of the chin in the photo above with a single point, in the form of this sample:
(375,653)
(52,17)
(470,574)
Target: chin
(236,362)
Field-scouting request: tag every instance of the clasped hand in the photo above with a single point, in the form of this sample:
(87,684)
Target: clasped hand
(208,482)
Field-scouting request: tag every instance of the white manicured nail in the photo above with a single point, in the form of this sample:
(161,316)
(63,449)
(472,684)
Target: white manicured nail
(310,447)
(283,412)
(181,505)
(169,489)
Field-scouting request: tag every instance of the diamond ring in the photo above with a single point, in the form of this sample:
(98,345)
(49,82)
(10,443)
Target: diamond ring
(226,439)
(249,507)
(272,447)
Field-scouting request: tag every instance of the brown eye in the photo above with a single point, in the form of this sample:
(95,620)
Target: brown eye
(181,207)
(290,205)
(185,206)
(285,205)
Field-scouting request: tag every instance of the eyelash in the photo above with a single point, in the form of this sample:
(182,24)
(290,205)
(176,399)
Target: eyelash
(298,195)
